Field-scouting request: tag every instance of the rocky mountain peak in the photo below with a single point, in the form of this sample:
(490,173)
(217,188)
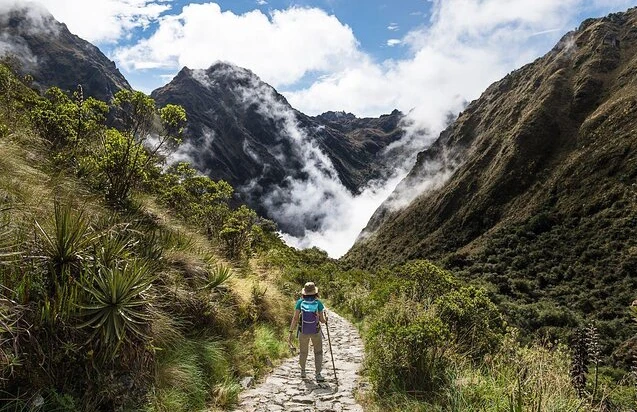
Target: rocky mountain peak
(331,116)
(53,56)
(242,130)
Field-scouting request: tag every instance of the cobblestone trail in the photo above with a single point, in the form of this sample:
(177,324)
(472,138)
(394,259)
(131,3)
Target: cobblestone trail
(284,390)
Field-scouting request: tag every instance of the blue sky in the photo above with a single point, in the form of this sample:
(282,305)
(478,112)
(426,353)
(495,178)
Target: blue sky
(362,56)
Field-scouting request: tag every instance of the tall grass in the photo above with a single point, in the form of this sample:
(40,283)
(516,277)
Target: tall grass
(192,375)
(268,347)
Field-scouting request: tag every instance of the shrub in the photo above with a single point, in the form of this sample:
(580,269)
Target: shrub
(237,232)
(407,348)
(423,279)
(475,322)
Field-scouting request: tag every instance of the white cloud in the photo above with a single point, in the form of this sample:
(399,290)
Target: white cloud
(103,21)
(393,42)
(281,47)
(393,27)
(467,45)
(262,2)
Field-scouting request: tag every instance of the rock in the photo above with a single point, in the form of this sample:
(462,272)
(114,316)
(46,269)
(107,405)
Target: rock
(307,400)
(247,382)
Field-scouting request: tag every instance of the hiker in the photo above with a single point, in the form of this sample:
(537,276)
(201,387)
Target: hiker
(308,312)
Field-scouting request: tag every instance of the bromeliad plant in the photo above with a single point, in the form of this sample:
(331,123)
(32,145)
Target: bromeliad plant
(218,276)
(117,304)
(66,243)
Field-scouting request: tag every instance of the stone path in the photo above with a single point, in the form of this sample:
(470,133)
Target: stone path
(284,390)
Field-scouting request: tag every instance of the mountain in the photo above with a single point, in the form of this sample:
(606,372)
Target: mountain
(45,49)
(242,130)
(533,188)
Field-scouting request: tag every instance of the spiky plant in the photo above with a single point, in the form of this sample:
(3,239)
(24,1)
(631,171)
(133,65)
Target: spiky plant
(593,349)
(117,306)
(112,247)
(218,276)
(66,242)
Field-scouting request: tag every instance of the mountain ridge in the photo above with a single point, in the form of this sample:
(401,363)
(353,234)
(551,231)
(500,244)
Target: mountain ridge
(539,195)
(535,131)
(243,131)
(45,49)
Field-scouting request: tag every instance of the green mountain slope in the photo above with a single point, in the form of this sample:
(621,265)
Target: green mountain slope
(541,201)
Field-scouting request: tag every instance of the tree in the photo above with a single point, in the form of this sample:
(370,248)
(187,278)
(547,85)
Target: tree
(67,123)
(129,156)
(196,197)
(237,231)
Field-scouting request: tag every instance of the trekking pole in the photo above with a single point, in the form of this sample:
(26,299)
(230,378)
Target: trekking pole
(329,341)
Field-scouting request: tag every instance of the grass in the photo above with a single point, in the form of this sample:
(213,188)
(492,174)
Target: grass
(193,375)
(267,346)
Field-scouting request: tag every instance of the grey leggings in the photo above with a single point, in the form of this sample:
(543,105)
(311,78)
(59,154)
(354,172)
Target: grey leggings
(317,343)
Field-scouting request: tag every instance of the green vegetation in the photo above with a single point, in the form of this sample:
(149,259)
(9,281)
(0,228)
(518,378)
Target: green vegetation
(122,286)
(435,344)
(548,287)
(127,284)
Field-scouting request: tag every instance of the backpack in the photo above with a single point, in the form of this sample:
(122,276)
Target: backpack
(309,317)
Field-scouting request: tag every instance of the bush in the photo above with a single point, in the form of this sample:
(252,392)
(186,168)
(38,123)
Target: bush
(475,322)
(407,350)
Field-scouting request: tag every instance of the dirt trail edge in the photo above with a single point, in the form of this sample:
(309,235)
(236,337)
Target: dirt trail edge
(284,390)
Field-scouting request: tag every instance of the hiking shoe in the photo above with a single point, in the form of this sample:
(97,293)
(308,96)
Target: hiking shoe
(320,378)
(303,374)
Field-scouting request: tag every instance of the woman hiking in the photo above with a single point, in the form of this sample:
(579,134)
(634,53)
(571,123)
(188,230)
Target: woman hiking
(308,312)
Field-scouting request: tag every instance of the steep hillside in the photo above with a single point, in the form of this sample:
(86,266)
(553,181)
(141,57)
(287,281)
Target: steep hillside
(53,56)
(534,187)
(143,304)
(243,131)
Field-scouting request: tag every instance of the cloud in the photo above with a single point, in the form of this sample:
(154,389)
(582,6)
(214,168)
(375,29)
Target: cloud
(393,27)
(262,2)
(281,47)
(393,42)
(104,21)
(452,59)
(37,21)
